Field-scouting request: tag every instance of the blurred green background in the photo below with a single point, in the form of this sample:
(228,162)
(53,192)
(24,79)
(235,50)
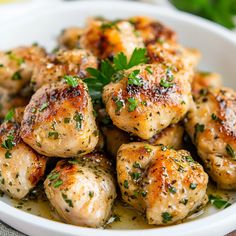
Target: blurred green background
(220,11)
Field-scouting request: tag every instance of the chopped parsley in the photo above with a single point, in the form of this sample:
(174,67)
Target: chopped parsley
(219,202)
(53,134)
(8,143)
(91,194)
(172,189)
(78,117)
(133,78)
(133,103)
(126,184)
(193,186)
(16,76)
(71,80)
(43,106)
(148,69)
(166,217)
(215,117)
(137,165)
(119,104)
(10,115)
(136,176)
(68,201)
(58,183)
(198,128)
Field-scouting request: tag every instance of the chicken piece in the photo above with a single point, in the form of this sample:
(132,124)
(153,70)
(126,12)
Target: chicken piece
(165,184)
(105,38)
(8,101)
(59,120)
(20,166)
(82,190)
(114,138)
(69,62)
(148,99)
(204,80)
(211,124)
(174,55)
(16,67)
(172,136)
(69,37)
(151,30)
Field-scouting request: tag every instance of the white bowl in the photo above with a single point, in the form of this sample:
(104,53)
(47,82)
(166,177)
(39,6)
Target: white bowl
(218,47)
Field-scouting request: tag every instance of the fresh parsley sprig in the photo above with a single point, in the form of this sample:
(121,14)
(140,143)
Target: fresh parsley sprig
(112,71)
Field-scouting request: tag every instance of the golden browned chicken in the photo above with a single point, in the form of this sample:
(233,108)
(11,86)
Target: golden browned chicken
(69,37)
(211,123)
(174,55)
(148,99)
(204,80)
(107,38)
(16,67)
(165,184)
(20,166)
(151,30)
(82,190)
(59,120)
(64,62)
(172,136)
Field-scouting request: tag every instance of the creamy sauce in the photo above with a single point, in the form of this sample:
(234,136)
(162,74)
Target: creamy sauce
(124,217)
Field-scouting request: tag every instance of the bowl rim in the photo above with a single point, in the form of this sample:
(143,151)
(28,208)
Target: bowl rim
(225,218)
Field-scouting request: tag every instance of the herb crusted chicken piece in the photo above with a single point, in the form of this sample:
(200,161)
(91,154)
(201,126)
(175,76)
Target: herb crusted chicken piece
(16,67)
(59,120)
(147,99)
(165,184)
(82,190)
(211,124)
(64,62)
(20,166)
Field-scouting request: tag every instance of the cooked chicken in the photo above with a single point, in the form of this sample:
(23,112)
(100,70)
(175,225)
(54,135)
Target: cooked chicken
(211,123)
(20,166)
(174,55)
(8,101)
(105,38)
(69,37)
(165,184)
(152,30)
(82,190)
(172,136)
(16,67)
(59,120)
(148,99)
(204,80)
(64,62)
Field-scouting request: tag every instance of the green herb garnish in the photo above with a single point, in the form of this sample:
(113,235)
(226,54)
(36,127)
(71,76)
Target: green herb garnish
(71,80)
(133,103)
(219,202)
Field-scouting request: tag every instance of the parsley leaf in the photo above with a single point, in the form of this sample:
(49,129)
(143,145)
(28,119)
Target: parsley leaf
(109,71)
(133,103)
(219,202)
(71,80)
(133,78)
(138,57)
(10,115)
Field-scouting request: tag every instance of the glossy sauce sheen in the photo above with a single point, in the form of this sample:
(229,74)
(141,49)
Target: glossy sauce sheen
(126,217)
